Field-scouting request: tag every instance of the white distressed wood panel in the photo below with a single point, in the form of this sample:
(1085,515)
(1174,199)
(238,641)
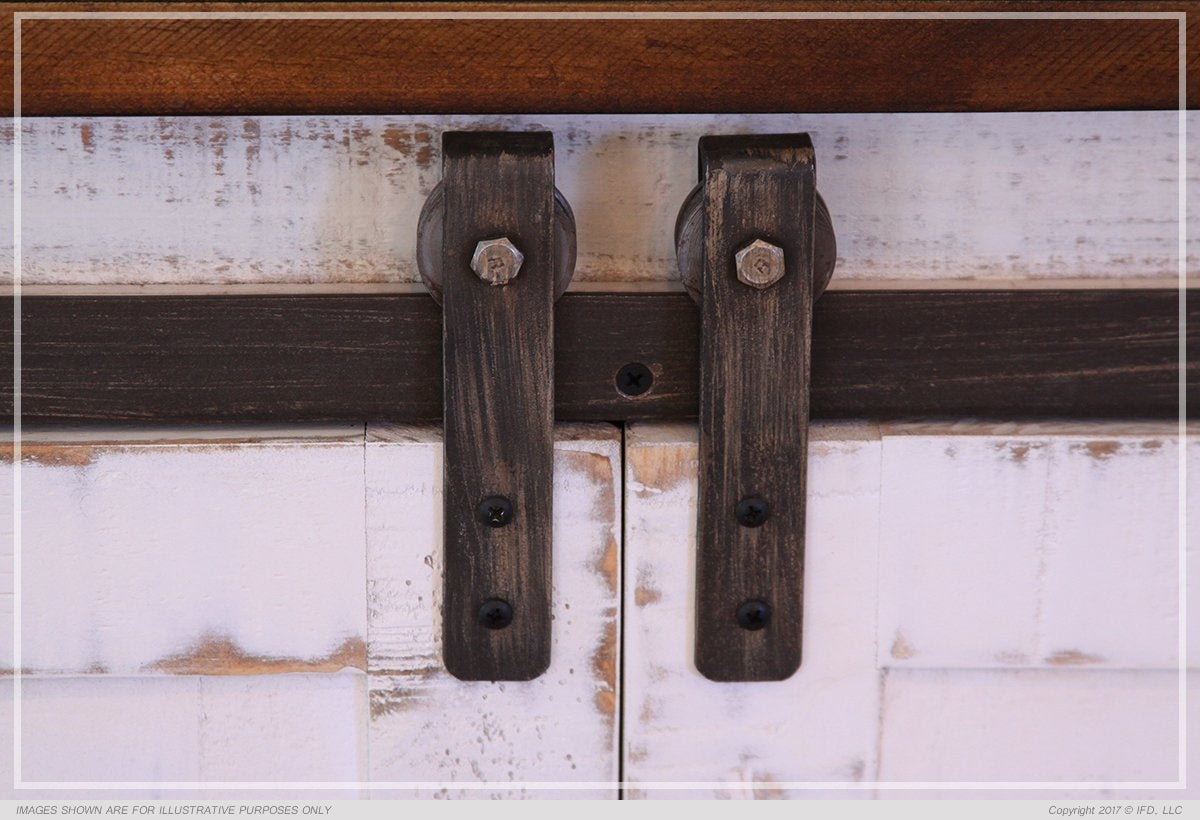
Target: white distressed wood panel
(820,725)
(427,726)
(195,729)
(298,200)
(285,727)
(80,729)
(1030,726)
(192,552)
(211,574)
(1094,716)
(1044,545)
(952,664)
(171,580)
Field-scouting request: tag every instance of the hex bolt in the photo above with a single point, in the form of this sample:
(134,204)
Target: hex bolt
(759,264)
(495,613)
(752,511)
(494,511)
(634,379)
(496,261)
(753,615)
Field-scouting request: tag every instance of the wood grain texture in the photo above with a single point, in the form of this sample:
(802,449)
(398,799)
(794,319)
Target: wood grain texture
(755,347)
(1034,726)
(876,354)
(304,551)
(819,725)
(498,360)
(268,66)
(896,522)
(300,200)
(187,554)
(1072,509)
(194,729)
(425,725)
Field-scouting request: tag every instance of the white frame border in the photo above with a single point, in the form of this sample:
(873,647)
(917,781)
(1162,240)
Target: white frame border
(19,783)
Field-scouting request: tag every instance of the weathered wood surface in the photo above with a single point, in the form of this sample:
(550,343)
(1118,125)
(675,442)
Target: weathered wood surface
(755,353)
(819,724)
(187,729)
(304,199)
(967,725)
(1059,590)
(425,725)
(268,602)
(884,354)
(498,364)
(209,582)
(1071,562)
(489,63)
(190,552)
(889,532)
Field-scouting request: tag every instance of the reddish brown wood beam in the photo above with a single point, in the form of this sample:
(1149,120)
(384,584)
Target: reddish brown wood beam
(109,67)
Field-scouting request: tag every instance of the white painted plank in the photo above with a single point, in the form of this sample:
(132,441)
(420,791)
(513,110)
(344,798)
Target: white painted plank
(428,726)
(964,576)
(1030,547)
(84,729)
(284,728)
(1090,710)
(1030,725)
(300,200)
(162,554)
(821,724)
(184,553)
(158,730)
(986,566)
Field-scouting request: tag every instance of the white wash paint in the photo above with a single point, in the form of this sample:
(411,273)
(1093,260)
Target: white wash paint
(984,602)
(1056,544)
(302,200)
(115,729)
(819,725)
(1111,722)
(427,725)
(183,552)
(196,603)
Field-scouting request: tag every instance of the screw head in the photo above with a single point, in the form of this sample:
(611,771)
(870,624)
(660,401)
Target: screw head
(759,264)
(496,261)
(752,511)
(495,614)
(753,615)
(634,379)
(494,511)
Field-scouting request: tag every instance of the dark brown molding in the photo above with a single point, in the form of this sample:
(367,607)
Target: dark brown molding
(875,354)
(158,67)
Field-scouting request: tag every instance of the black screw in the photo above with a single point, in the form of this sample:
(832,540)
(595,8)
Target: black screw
(634,379)
(753,615)
(494,511)
(495,614)
(752,511)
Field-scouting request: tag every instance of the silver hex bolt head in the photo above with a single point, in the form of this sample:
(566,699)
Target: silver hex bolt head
(496,261)
(759,264)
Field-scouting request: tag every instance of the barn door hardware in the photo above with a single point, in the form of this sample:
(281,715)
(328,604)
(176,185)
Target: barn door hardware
(755,247)
(496,245)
